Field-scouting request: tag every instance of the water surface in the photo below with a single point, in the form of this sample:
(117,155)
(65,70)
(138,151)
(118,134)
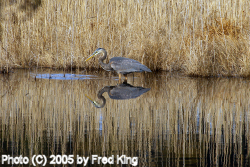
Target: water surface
(163,119)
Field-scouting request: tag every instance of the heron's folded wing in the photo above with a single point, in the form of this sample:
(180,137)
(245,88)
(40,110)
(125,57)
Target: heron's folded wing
(125,65)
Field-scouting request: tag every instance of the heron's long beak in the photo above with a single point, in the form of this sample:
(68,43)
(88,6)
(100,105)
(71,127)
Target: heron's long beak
(89,98)
(94,102)
(95,53)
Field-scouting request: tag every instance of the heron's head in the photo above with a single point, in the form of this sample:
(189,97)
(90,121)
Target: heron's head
(96,52)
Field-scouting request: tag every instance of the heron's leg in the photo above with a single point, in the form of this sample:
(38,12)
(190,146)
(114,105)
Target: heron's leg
(126,77)
(120,78)
(133,77)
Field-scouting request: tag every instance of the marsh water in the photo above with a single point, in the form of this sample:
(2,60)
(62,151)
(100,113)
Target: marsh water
(162,119)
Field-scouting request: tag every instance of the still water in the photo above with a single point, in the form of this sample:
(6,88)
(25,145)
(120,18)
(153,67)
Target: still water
(157,119)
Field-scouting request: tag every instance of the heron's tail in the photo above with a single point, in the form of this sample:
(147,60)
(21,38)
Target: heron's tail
(145,68)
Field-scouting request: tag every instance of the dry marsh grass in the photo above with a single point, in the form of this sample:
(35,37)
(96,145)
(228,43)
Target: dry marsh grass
(201,119)
(199,38)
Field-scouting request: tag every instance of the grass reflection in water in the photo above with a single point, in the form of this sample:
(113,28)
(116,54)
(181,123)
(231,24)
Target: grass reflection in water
(180,121)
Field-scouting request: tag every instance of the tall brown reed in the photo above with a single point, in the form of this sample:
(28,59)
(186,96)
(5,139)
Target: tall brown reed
(201,38)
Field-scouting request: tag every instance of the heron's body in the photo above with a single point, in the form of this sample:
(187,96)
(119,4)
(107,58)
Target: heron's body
(121,65)
(121,91)
(125,65)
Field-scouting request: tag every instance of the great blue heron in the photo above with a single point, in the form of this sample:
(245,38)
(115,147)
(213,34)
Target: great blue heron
(121,65)
(119,92)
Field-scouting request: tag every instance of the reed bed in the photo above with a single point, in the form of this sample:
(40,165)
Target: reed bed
(198,38)
(179,118)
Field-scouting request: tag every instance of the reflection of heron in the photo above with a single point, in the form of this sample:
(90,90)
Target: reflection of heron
(120,92)
(121,65)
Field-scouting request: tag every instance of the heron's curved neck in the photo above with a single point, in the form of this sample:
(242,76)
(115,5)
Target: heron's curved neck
(105,66)
(100,96)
